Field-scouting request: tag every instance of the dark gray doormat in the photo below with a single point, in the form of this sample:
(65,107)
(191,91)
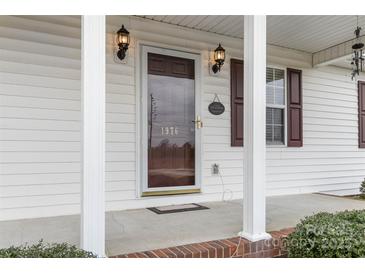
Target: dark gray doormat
(177,208)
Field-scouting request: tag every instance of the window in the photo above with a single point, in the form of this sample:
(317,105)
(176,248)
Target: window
(275,106)
(284,106)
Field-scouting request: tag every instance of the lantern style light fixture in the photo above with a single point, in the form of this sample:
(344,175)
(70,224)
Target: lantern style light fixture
(358,55)
(219,57)
(123,42)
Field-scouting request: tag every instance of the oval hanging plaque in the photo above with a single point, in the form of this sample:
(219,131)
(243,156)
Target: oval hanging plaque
(216,108)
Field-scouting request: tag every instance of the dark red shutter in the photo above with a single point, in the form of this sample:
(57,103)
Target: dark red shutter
(295,108)
(236,102)
(361,90)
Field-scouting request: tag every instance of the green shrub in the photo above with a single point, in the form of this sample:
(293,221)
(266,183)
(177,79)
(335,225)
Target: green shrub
(326,235)
(362,189)
(43,250)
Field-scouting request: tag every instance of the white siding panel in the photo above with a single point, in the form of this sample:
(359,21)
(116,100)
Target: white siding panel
(41,179)
(39,200)
(39,81)
(59,25)
(39,168)
(37,135)
(13,55)
(35,190)
(39,118)
(38,124)
(38,92)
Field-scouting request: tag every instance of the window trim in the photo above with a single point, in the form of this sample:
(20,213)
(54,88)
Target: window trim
(284,107)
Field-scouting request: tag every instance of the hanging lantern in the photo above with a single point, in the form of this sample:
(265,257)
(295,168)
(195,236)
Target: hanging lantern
(219,57)
(123,42)
(357,55)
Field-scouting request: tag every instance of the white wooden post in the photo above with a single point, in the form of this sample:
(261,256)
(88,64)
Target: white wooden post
(254,128)
(93,135)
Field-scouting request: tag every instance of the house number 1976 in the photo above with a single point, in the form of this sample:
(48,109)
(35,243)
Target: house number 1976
(170,131)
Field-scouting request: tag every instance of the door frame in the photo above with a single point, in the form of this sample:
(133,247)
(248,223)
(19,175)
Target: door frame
(143,122)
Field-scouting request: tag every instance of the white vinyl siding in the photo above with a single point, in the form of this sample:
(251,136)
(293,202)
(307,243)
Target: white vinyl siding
(39,118)
(40,121)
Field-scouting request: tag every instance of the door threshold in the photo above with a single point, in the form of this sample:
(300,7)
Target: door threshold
(170,192)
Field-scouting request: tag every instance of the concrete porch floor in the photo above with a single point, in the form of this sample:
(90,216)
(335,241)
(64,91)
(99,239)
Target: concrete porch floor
(139,230)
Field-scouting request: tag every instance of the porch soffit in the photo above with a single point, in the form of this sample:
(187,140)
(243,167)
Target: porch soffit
(308,33)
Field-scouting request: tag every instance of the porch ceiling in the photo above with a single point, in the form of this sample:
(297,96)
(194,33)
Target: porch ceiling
(309,33)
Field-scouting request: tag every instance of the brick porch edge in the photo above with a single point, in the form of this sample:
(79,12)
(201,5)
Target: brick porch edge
(225,248)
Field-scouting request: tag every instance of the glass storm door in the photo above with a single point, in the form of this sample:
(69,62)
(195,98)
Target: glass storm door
(171,121)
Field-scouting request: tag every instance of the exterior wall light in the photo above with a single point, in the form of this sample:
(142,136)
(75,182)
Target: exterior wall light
(219,57)
(123,42)
(358,55)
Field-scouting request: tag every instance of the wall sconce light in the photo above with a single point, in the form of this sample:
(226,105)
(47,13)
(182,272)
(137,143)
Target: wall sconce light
(219,57)
(123,42)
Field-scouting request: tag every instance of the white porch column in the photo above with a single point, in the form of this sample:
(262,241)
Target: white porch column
(254,128)
(93,134)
